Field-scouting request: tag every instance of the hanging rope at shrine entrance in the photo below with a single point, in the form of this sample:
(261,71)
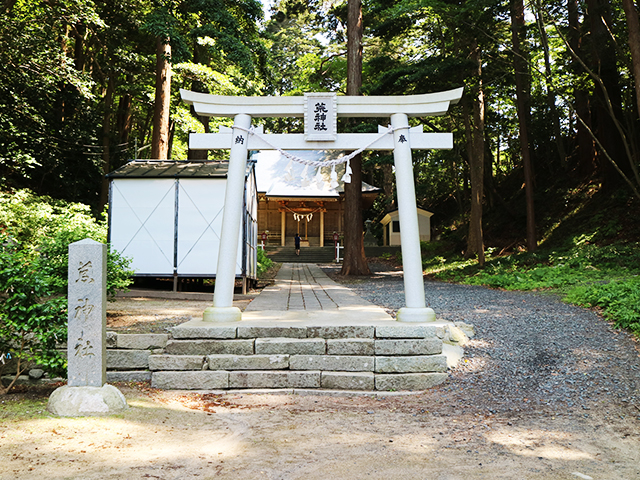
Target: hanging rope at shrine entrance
(318,178)
(299,216)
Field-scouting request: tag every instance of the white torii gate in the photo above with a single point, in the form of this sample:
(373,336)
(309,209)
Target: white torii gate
(323,136)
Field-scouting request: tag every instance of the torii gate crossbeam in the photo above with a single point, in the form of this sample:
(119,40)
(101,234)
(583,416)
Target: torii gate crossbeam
(397,108)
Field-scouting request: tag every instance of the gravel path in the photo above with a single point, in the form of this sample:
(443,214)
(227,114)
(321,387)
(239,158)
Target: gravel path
(531,351)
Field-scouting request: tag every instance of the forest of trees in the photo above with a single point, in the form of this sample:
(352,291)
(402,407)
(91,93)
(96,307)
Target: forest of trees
(550,110)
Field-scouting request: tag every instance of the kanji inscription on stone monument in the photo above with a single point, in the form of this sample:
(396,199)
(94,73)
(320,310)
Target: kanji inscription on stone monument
(86,344)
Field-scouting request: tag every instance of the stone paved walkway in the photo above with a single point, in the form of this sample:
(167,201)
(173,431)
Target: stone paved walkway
(303,286)
(303,292)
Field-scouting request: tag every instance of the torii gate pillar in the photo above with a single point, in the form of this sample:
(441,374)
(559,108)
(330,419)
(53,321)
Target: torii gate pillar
(416,310)
(223,309)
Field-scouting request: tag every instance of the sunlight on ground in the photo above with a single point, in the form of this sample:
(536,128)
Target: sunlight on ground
(397,273)
(98,437)
(534,443)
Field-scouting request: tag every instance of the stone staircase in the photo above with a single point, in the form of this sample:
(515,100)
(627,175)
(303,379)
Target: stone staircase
(287,254)
(385,357)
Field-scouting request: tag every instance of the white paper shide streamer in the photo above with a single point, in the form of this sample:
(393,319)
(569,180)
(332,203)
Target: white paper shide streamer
(288,173)
(306,181)
(333,178)
(346,178)
(319,179)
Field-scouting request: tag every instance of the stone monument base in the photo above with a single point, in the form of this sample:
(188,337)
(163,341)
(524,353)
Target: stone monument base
(86,401)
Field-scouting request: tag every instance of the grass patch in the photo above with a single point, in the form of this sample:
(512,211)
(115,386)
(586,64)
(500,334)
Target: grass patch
(16,407)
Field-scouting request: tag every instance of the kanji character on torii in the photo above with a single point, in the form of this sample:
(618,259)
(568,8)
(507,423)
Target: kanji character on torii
(320,112)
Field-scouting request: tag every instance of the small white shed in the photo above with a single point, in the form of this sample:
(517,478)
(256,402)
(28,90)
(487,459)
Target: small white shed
(391,224)
(167,215)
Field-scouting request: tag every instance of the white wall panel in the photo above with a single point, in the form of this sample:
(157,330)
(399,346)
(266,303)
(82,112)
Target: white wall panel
(199,222)
(142,223)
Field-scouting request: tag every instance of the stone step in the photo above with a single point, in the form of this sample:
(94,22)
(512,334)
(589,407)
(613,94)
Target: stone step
(201,330)
(385,357)
(307,254)
(347,363)
(223,380)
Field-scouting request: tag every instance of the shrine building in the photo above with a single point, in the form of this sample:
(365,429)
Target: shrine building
(292,200)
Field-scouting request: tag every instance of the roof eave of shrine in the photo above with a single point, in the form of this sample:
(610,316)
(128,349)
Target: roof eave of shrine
(173,169)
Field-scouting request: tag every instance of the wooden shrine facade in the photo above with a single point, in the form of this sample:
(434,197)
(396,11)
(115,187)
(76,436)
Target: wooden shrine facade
(315,219)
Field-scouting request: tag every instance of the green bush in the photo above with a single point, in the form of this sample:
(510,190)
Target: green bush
(35,233)
(264,262)
(44,227)
(33,319)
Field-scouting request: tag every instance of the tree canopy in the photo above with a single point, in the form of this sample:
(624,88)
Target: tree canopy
(553,82)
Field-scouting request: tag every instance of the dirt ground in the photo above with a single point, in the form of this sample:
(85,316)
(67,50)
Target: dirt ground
(155,315)
(436,435)
(176,435)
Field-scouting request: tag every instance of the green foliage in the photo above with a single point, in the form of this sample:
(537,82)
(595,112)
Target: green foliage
(43,228)
(230,25)
(264,262)
(46,111)
(618,299)
(32,319)
(35,233)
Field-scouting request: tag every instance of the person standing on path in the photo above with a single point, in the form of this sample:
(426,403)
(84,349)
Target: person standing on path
(297,242)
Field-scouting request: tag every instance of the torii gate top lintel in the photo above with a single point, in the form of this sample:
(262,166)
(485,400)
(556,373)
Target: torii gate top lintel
(429,104)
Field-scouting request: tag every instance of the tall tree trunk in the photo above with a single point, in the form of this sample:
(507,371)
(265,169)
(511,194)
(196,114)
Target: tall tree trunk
(124,119)
(607,105)
(355,261)
(197,86)
(106,142)
(160,139)
(387,185)
(475,242)
(455,180)
(551,94)
(78,32)
(522,96)
(634,44)
(584,142)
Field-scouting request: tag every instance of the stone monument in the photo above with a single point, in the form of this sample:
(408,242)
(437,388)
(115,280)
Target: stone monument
(370,239)
(86,392)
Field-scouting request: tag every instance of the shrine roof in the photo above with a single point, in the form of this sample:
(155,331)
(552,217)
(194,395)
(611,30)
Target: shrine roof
(173,169)
(271,168)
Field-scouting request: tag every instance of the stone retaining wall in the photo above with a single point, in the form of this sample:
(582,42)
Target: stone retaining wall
(390,357)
